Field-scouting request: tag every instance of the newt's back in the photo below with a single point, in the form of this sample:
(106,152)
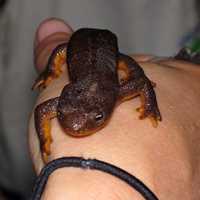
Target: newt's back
(91,51)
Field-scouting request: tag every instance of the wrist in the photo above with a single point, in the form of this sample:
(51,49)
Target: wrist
(73,183)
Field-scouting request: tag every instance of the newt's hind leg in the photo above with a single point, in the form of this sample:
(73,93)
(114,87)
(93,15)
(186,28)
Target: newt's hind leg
(44,112)
(136,83)
(54,67)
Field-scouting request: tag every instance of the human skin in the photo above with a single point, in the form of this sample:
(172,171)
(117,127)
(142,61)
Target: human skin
(165,158)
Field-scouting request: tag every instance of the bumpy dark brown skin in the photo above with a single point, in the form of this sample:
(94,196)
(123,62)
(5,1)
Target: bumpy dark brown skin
(87,102)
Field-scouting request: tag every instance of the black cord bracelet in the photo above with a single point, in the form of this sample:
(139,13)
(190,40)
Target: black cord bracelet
(80,162)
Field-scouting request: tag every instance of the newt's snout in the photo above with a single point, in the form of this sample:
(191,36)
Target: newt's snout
(80,124)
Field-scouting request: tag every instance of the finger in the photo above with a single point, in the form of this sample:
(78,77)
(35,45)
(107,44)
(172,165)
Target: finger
(49,34)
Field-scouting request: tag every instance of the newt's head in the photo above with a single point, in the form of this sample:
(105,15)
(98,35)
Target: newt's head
(85,107)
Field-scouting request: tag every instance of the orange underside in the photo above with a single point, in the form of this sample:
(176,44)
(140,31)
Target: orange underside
(58,62)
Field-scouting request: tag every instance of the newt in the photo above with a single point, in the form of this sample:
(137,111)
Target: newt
(86,104)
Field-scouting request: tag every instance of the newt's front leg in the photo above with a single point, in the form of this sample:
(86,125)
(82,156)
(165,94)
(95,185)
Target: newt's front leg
(136,83)
(44,112)
(54,67)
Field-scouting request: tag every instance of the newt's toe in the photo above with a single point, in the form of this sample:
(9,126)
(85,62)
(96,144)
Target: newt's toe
(46,149)
(42,82)
(45,157)
(154,121)
(153,115)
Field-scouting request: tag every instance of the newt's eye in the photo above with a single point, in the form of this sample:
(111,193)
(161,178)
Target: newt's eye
(99,117)
(78,91)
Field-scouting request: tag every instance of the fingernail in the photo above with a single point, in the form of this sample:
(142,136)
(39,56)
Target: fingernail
(49,27)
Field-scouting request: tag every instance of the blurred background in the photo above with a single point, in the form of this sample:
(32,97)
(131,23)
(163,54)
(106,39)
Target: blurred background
(158,27)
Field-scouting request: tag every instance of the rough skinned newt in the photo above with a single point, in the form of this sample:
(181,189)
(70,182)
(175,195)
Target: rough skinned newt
(86,104)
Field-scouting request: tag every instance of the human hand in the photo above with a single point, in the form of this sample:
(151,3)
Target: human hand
(152,154)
